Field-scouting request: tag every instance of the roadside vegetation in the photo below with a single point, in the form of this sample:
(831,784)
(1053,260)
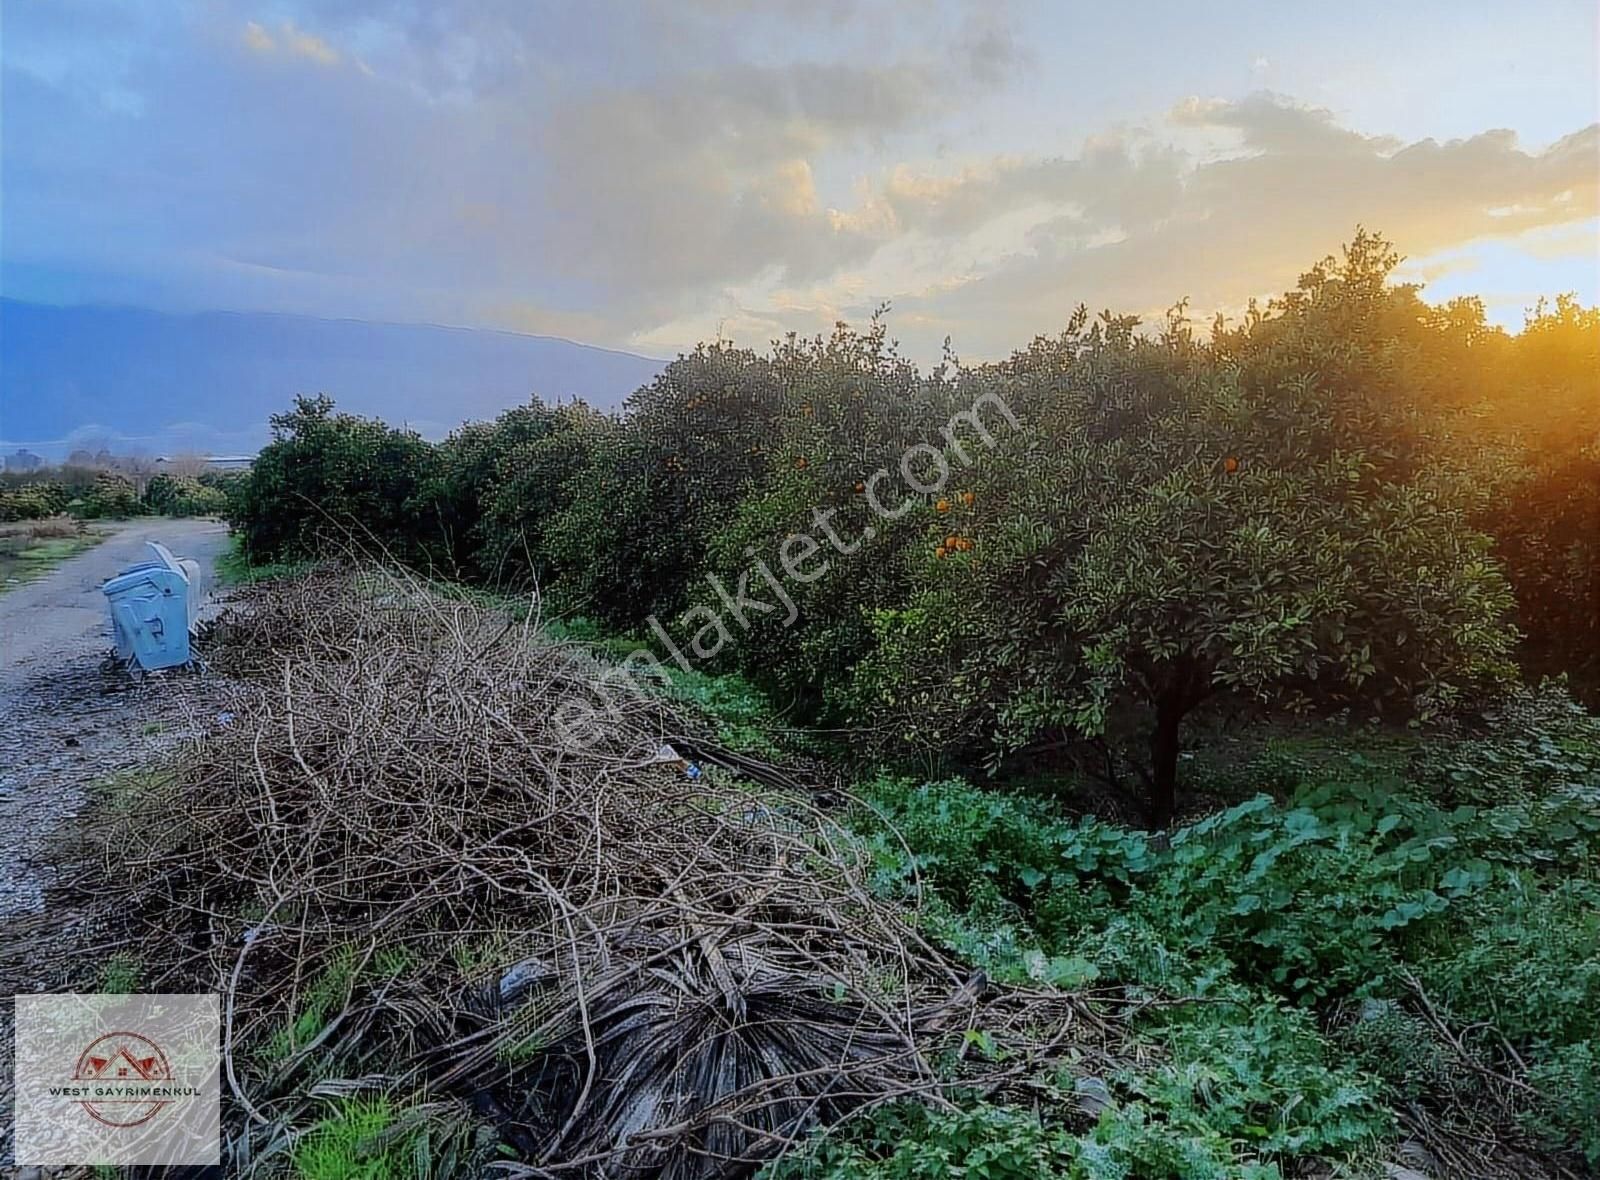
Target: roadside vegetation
(31,548)
(233,568)
(1351,503)
(1217,732)
(101,492)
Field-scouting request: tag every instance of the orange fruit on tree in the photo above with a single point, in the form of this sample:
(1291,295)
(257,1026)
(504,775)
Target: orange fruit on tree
(860,487)
(942,506)
(1230,465)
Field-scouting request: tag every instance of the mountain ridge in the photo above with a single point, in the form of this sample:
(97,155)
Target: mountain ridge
(209,380)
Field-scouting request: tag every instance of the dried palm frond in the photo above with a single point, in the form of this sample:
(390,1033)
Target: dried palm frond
(401,871)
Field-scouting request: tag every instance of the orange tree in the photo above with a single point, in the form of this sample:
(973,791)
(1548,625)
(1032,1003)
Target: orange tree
(852,407)
(1269,514)
(533,482)
(472,468)
(632,540)
(1546,517)
(327,475)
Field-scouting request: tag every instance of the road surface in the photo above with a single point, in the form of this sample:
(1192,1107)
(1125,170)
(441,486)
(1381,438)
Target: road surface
(67,721)
(62,616)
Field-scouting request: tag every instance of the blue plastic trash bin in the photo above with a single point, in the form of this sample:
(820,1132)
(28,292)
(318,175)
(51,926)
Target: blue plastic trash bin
(152,607)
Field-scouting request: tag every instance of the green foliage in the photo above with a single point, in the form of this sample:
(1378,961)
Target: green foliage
(346,1144)
(1342,503)
(740,712)
(29,549)
(909,1142)
(33,501)
(110,496)
(1261,1076)
(1546,521)
(1287,512)
(1197,1123)
(234,568)
(1275,514)
(853,407)
(1532,745)
(539,475)
(324,996)
(330,477)
(1358,888)
(632,541)
(376,1138)
(1567,1078)
(175,495)
(120,975)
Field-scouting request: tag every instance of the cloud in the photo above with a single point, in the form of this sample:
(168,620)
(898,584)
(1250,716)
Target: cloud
(1269,122)
(719,226)
(707,180)
(258,39)
(1135,228)
(646,172)
(291,40)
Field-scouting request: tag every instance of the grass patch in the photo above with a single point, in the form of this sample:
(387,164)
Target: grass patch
(378,1138)
(234,567)
(350,1144)
(327,995)
(120,975)
(29,549)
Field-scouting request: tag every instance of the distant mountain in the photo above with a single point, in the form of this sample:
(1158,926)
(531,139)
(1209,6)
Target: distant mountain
(209,381)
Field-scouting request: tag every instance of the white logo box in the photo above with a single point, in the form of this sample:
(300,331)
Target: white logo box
(117,1079)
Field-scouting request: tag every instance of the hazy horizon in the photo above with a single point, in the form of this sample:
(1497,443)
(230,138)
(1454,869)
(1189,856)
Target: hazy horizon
(642,177)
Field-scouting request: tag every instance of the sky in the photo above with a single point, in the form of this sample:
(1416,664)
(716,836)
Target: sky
(644,174)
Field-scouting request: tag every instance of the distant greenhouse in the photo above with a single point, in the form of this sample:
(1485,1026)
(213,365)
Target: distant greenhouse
(211,462)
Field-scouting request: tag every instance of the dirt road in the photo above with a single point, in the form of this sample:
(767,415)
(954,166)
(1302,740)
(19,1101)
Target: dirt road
(65,720)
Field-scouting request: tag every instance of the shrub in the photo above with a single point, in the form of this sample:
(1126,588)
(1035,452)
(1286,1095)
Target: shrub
(328,476)
(854,407)
(456,496)
(633,540)
(174,495)
(32,501)
(111,495)
(1358,890)
(1267,516)
(1546,521)
(534,480)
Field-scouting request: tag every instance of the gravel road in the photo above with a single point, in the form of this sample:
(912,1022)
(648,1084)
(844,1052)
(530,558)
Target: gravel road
(66,720)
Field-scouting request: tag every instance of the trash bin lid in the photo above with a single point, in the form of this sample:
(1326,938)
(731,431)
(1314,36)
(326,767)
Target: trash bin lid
(164,557)
(128,578)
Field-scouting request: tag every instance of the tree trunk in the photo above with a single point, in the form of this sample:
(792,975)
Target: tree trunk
(1164,760)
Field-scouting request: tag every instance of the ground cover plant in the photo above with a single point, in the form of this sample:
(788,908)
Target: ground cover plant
(1361,934)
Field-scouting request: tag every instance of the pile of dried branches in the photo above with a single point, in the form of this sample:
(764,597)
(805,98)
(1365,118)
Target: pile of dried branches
(404,875)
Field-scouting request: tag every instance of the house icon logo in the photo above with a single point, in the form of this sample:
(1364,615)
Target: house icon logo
(126,1079)
(116,1079)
